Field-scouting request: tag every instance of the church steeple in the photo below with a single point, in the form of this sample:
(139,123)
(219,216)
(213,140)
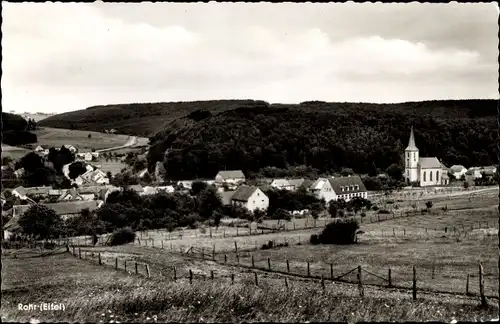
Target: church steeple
(411,142)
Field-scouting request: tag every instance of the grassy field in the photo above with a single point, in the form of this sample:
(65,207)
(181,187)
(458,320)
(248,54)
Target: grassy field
(13,151)
(94,293)
(58,136)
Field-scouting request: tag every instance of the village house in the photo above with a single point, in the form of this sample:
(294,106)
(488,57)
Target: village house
(458,171)
(251,198)
(91,178)
(71,148)
(31,192)
(185,184)
(339,188)
(226,197)
(282,184)
(427,171)
(230,177)
(64,209)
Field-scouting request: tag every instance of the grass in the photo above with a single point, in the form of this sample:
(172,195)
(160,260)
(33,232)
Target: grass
(58,136)
(93,293)
(14,152)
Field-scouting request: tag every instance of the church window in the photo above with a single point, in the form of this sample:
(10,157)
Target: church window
(424,176)
(408,161)
(414,157)
(430,175)
(437,175)
(407,173)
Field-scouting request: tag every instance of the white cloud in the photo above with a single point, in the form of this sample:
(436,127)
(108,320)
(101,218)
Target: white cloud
(60,57)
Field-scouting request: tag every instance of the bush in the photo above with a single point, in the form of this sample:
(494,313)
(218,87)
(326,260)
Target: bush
(375,208)
(314,239)
(384,211)
(18,137)
(340,232)
(122,236)
(363,214)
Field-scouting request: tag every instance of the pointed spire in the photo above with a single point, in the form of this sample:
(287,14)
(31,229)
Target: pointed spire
(411,142)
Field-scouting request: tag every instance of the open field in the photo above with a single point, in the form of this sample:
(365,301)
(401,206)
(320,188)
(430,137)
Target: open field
(94,293)
(57,137)
(14,152)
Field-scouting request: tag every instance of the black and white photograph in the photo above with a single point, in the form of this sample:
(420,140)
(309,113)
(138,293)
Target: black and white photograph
(226,162)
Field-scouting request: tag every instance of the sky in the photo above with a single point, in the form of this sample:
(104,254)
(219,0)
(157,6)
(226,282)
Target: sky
(60,57)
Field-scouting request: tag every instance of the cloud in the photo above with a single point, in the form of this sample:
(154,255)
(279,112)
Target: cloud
(60,57)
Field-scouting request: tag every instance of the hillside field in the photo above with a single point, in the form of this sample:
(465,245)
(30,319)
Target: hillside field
(13,152)
(57,137)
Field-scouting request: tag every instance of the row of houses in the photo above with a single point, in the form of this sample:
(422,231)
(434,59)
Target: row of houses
(459,172)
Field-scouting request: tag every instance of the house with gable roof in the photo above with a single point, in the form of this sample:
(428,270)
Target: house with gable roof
(337,188)
(230,177)
(251,198)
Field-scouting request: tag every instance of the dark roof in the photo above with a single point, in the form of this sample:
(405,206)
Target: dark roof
(232,174)
(243,193)
(338,183)
(61,208)
(411,142)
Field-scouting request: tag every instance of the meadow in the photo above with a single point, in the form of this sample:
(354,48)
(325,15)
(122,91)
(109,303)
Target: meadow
(58,136)
(14,152)
(94,293)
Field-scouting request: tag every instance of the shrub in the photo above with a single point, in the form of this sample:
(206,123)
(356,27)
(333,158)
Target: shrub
(268,245)
(363,214)
(375,208)
(340,232)
(384,211)
(122,236)
(314,239)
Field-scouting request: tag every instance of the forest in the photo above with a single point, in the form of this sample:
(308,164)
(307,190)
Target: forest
(320,137)
(16,130)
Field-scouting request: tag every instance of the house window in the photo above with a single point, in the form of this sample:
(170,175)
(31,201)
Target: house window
(430,175)
(424,176)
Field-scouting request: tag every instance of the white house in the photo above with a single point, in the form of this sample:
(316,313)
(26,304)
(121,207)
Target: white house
(282,184)
(251,198)
(427,171)
(339,188)
(458,171)
(230,177)
(476,172)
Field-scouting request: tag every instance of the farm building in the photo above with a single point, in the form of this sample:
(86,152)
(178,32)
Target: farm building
(230,177)
(458,171)
(281,184)
(427,171)
(251,198)
(226,197)
(63,209)
(339,188)
(31,192)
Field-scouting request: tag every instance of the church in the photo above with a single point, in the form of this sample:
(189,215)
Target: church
(427,171)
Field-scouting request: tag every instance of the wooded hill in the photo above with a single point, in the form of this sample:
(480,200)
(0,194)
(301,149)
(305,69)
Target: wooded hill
(205,137)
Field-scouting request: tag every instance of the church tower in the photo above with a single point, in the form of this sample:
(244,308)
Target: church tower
(411,160)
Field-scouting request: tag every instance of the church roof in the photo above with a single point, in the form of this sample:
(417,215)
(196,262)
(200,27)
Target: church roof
(429,163)
(411,142)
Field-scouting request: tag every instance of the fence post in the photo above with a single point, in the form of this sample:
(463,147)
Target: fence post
(287,266)
(467,286)
(484,304)
(286,282)
(308,270)
(232,278)
(235,247)
(175,274)
(211,274)
(256,280)
(125,265)
(74,250)
(331,271)
(79,253)
(389,277)
(253,264)
(269,263)
(433,268)
(99,258)
(147,270)
(116,263)
(414,283)
(237,259)
(224,233)
(190,276)
(210,227)
(203,253)
(213,253)
(136,270)
(360,283)
(322,282)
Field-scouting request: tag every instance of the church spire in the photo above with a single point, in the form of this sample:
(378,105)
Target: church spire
(411,142)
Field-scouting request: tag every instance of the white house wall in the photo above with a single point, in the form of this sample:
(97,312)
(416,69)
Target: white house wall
(436,180)
(258,200)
